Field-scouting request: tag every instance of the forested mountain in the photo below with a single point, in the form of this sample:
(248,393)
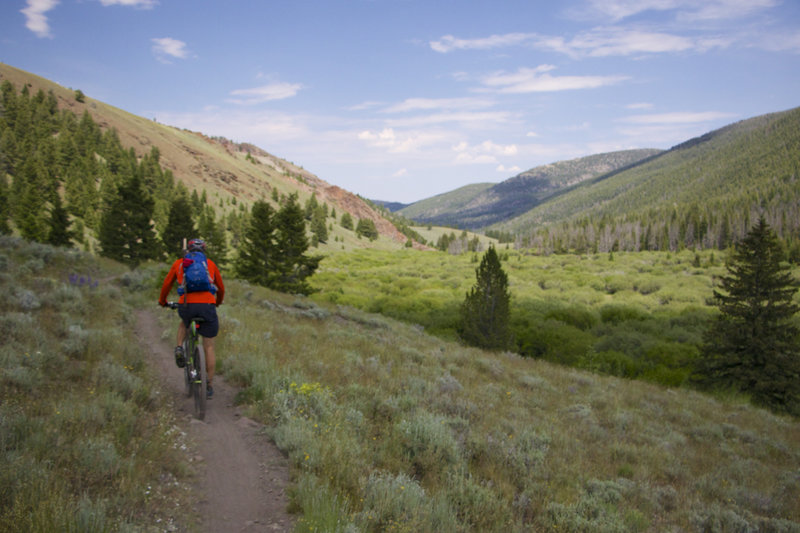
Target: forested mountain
(483,204)
(704,193)
(58,145)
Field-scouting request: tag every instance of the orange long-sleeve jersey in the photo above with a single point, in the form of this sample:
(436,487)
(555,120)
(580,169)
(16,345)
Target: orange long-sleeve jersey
(175,274)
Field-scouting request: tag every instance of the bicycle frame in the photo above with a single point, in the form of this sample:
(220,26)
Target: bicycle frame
(195,368)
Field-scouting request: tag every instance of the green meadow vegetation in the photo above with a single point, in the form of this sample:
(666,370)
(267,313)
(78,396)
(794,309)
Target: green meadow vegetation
(86,442)
(389,428)
(385,426)
(637,315)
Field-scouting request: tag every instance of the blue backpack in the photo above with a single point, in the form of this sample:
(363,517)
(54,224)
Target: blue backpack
(196,276)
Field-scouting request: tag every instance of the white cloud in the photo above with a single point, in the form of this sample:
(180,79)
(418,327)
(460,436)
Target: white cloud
(427,104)
(464,118)
(678,118)
(406,142)
(35,16)
(448,43)
(503,168)
(640,105)
(166,47)
(400,173)
(530,80)
(615,41)
(143,4)
(265,93)
(483,153)
(684,9)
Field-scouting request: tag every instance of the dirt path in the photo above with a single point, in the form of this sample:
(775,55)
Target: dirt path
(242,477)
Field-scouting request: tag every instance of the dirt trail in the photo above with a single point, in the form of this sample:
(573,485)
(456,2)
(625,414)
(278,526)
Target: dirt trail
(242,476)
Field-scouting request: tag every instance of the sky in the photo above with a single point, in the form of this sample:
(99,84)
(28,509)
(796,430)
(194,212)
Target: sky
(401,100)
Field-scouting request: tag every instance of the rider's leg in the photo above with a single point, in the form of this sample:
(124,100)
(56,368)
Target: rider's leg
(211,361)
(181,333)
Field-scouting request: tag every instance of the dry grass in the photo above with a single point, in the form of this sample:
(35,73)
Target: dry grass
(397,427)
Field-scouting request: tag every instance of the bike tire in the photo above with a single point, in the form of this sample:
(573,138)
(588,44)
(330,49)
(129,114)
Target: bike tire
(200,383)
(187,368)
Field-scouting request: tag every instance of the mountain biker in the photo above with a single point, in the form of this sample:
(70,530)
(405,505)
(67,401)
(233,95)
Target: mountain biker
(196,304)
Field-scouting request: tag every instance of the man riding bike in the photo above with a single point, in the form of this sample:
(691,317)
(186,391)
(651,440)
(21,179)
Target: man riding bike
(196,304)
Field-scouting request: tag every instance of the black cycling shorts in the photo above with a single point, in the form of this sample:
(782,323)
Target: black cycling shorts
(209,327)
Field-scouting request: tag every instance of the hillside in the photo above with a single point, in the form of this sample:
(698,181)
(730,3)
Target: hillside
(218,166)
(704,192)
(480,205)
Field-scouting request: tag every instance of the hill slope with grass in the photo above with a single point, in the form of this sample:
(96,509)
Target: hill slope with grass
(384,426)
(228,173)
(483,204)
(703,193)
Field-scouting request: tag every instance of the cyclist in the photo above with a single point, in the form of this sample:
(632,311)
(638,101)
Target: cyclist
(196,304)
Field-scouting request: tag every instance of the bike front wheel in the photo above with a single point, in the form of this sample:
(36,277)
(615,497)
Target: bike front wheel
(200,383)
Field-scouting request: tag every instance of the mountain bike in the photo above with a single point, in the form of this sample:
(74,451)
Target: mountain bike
(195,367)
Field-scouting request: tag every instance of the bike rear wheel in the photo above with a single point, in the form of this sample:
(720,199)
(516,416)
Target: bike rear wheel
(200,383)
(187,369)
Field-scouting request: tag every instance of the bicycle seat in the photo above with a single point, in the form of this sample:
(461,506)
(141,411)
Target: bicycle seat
(198,319)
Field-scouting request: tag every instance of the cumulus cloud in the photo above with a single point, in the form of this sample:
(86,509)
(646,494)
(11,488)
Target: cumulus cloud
(265,93)
(484,153)
(166,47)
(448,43)
(531,80)
(142,4)
(683,9)
(36,16)
(678,118)
(428,104)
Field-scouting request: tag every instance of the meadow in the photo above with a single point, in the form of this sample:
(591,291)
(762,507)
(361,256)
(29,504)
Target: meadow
(87,443)
(386,427)
(636,315)
(389,428)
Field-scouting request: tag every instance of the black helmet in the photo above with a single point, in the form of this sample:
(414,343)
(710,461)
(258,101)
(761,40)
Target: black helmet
(196,245)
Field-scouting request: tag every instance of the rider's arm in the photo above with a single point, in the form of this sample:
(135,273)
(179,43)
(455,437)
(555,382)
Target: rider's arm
(219,283)
(167,285)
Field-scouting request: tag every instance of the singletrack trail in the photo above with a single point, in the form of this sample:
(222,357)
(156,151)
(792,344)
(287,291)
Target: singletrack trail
(241,475)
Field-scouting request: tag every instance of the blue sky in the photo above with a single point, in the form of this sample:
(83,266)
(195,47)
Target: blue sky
(403,99)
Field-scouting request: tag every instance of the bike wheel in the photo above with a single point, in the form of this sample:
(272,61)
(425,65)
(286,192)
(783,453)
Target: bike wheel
(187,369)
(200,383)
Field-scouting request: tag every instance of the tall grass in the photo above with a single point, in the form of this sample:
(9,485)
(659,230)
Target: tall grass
(388,428)
(86,443)
(637,315)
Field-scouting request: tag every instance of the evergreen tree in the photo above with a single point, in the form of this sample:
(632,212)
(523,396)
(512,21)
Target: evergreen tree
(753,346)
(347,221)
(293,266)
(318,225)
(485,312)
(366,228)
(180,225)
(126,231)
(257,250)
(59,234)
(4,208)
(214,234)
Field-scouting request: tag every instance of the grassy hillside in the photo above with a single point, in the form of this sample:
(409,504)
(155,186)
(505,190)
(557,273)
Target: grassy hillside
(704,193)
(86,440)
(231,175)
(389,429)
(478,206)
(385,427)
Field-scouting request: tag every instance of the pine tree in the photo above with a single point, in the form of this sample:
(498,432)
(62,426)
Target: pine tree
(319,226)
(214,234)
(257,250)
(485,312)
(126,229)
(754,345)
(293,266)
(347,221)
(366,228)
(59,234)
(180,224)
